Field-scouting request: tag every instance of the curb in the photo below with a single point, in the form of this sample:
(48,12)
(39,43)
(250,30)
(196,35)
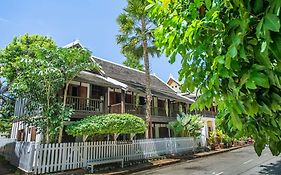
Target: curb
(216,152)
(143,168)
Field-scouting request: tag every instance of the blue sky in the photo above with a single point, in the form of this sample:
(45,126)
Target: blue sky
(93,22)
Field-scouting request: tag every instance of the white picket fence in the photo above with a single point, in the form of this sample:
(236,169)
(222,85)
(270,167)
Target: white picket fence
(48,158)
(58,157)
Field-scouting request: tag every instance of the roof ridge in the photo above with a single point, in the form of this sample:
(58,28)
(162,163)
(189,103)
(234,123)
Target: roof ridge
(103,59)
(77,41)
(164,82)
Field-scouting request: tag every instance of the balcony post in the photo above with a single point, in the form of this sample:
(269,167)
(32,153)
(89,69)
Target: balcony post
(180,107)
(106,104)
(122,101)
(171,109)
(167,107)
(155,106)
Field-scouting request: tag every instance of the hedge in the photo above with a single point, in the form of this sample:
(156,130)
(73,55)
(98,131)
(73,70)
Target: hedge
(107,124)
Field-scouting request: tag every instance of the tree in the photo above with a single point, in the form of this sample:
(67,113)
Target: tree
(231,51)
(6,100)
(72,62)
(36,70)
(107,124)
(6,108)
(136,43)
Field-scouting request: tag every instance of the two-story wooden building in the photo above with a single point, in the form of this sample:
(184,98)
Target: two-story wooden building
(117,89)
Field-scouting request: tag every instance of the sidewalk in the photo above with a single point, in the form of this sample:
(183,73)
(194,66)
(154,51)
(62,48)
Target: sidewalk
(166,161)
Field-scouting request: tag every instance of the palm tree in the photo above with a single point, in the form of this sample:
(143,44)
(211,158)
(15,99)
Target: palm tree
(137,43)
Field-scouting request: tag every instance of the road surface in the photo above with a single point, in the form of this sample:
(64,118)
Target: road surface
(242,161)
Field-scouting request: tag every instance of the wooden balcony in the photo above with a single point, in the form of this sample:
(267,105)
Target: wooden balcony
(158,114)
(85,106)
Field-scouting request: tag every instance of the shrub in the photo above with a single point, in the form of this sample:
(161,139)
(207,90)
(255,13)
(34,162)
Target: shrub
(107,124)
(187,125)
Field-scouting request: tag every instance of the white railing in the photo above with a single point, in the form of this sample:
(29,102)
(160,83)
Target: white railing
(59,157)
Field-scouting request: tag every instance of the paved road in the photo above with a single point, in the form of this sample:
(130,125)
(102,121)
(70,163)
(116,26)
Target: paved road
(242,161)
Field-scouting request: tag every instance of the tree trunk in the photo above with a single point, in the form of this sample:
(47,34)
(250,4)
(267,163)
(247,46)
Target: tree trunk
(148,133)
(64,104)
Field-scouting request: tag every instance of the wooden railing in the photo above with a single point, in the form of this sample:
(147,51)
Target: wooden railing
(136,109)
(158,111)
(155,111)
(115,108)
(85,104)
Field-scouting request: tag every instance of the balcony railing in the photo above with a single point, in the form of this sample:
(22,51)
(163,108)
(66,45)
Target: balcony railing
(137,109)
(81,104)
(115,108)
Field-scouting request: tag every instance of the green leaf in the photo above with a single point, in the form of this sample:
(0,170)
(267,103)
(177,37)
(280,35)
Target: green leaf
(258,5)
(250,84)
(228,62)
(273,146)
(261,80)
(208,4)
(259,147)
(236,120)
(258,28)
(272,22)
(263,46)
(232,51)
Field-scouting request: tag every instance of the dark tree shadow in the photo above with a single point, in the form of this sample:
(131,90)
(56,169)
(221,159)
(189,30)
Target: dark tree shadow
(272,168)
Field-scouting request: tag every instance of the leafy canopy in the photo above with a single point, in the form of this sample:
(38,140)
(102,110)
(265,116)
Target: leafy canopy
(231,51)
(107,124)
(187,125)
(36,70)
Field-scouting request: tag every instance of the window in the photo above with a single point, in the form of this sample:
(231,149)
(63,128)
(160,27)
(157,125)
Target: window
(97,91)
(74,91)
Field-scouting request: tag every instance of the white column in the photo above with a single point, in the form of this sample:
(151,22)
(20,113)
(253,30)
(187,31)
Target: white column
(213,124)
(204,133)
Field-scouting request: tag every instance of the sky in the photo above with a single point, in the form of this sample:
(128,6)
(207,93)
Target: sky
(92,22)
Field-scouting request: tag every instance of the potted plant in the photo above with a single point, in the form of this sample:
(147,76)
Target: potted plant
(212,140)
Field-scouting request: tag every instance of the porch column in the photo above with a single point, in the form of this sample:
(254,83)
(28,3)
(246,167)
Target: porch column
(157,126)
(106,104)
(167,107)
(187,108)
(154,106)
(122,101)
(171,108)
(180,107)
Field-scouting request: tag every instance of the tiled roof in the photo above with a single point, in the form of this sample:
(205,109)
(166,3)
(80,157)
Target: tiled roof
(137,79)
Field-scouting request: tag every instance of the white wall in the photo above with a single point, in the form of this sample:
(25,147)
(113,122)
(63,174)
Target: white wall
(204,131)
